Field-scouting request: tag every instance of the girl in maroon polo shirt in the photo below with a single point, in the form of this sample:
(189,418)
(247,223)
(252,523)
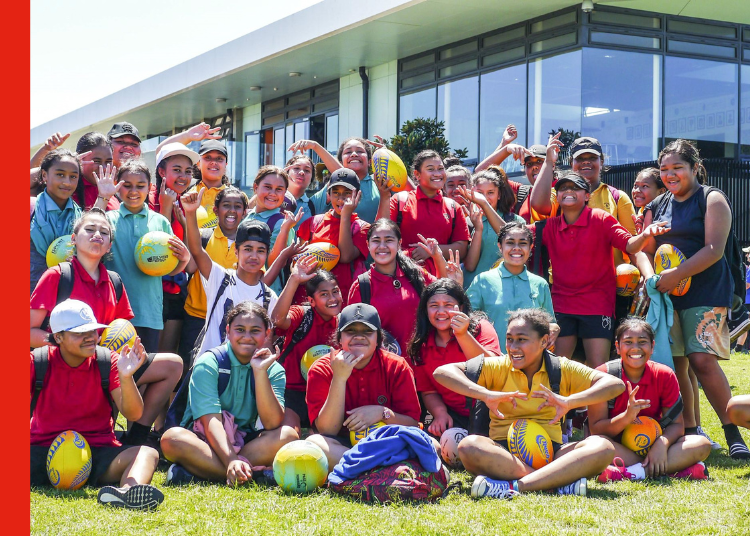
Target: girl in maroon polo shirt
(656,391)
(448,331)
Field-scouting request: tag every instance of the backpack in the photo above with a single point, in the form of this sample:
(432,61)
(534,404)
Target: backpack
(403,481)
(300,333)
(41,364)
(176,410)
(614,368)
(523,192)
(538,262)
(479,416)
(67,280)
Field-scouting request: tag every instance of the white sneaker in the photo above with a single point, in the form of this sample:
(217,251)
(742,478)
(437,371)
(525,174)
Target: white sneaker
(714,444)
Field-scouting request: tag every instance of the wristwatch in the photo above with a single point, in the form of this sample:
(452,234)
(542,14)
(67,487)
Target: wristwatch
(387,414)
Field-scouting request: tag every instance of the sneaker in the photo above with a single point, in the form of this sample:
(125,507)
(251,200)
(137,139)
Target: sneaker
(264,477)
(138,497)
(177,475)
(739,325)
(739,451)
(616,472)
(714,444)
(696,471)
(489,487)
(576,488)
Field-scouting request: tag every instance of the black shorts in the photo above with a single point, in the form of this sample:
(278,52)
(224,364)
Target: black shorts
(174,306)
(585,326)
(144,367)
(191,327)
(295,400)
(101,459)
(149,337)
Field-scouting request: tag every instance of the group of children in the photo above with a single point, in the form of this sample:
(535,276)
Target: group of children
(458,266)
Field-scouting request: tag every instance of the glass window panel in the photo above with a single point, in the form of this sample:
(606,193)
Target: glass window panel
(746,34)
(332,133)
(554,22)
(297,99)
(504,37)
(701,104)
(461,68)
(701,28)
(502,102)
(554,96)
(279,149)
(701,48)
(746,54)
(745,111)
(298,112)
(625,117)
(458,106)
(505,56)
(266,148)
(288,141)
(273,105)
(278,118)
(625,40)
(301,130)
(419,104)
(330,89)
(421,61)
(252,158)
(325,105)
(418,80)
(458,50)
(607,17)
(554,42)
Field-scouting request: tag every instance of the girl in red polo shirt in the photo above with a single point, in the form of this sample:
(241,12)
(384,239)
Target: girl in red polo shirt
(652,389)
(448,331)
(92,237)
(395,281)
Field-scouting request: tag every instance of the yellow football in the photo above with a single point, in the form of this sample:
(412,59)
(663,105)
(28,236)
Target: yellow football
(667,256)
(530,443)
(61,249)
(388,166)
(325,253)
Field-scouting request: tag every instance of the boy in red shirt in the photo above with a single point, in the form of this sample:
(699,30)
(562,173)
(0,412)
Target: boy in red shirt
(673,453)
(359,385)
(71,361)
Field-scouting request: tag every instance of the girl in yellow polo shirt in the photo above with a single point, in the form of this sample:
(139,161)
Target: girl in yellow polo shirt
(516,386)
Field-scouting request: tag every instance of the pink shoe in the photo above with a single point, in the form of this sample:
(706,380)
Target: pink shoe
(696,471)
(615,472)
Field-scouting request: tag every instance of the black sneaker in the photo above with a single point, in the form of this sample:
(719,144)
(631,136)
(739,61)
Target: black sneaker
(739,451)
(739,325)
(138,497)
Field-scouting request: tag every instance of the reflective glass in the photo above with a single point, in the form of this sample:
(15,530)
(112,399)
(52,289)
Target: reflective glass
(419,104)
(458,106)
(502,102)
(279,149)
(332,133)
(252,158)
(621,101)
(745,111)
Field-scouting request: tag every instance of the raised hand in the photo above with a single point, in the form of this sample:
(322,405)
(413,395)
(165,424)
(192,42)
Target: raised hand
(475,215)
(510,134)
(459,322)
(105,181)
(304,269)
(453,266)
(382,183)
(203,131)
(554,145)
(635,405)
(351,204)
(131,359)
(638,222)
(167,196)
(263,358)
(302,146)
(429,245)
(518,152)
(55,141)
(293,249)
(290,220)
(191,201)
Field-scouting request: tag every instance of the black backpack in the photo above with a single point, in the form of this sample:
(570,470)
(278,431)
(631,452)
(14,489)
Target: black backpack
(176,410)
(300,333)
(523,192)
(614,368)
(67,280)
(538,262)
(479,413)
(41,364)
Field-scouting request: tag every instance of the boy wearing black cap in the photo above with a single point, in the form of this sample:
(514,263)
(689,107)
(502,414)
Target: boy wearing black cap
(583,299)
(358,384)
(341,227)
(226,287)
(125,141)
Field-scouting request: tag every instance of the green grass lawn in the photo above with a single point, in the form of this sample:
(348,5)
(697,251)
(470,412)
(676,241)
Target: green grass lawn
(720,505)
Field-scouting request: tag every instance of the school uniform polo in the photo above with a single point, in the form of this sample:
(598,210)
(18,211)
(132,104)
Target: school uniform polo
(368,204)
(581,259)
(305,203)
(658,384)
(72,399)
(90,194)
(499,374)
(321,332)
(497,292)
(387,380)
(430,217)
(397,307)
(209,196)
(326,228)
(99,295)
(265,216)
(623,211)
(490,252)
(223,252)
(238,398)
(434,356)
(146,295)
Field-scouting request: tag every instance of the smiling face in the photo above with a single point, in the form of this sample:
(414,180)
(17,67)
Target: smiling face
(677,175)
(246,334)
(269,192)
(134,191)
(327,299)
(339,195)
(634,348)
(300,174)
(588,165)
(452,182)
(570,196)
(524,345)
(125,148)
(488,190)
(78,346)
(62,179)
(437,311)
(644,191)
(177,173)
(383,246)
(354,157)
(515,249)
(251,256)
(359,339)
(532,166)
(431,176)
(230,212)
(94,237)
(101,155)
(213,166)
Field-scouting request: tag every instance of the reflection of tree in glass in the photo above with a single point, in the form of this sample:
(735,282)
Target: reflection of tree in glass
(420,134)
(567,137)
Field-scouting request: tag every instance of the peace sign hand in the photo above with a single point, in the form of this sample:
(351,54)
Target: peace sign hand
(635,405)
(453,266)
(430,245)
(203,131)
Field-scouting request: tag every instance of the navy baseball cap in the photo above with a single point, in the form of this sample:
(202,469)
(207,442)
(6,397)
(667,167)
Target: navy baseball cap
(212,145)
(344,177)
(537,151)
(585,145)
(255,230)
(580,182)
(363,313)
(123,129)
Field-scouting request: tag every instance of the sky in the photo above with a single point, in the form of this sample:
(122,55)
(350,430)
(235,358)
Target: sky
(83,50)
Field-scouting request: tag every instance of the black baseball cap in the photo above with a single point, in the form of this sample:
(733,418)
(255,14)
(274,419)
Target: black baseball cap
(344,177)
(123,129)
(212,145)
(359,312)
(255,230)
(575,179)
(585,145)
(537,151)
